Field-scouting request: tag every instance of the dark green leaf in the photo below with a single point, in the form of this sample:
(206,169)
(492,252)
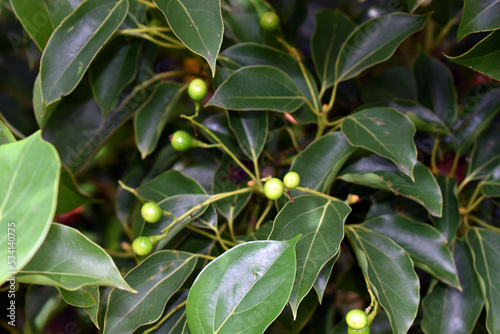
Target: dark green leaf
(152,116)
(436,89)
(413,4)
(380,173)
(320,162)
(258,88)
(155,279)
(332,29)
(375,41)
(449,222)
(394,82)
(324,275)
(42,303)
(478,16)
(486,153)
(448,310)
(40,18)
(425,245)
(386,132)
(486,254)
(75,43)
(113,69)
(250,128)
(390,272)
(5,134)
(243,290)
(84,297)
(27,198)
(70,196)
(69,260)
(243,24)
(198,24)
(491,186)
(321,223)
(219,126)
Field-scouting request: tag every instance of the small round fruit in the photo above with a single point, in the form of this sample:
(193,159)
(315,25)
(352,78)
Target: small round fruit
(142,246)
(364,330)
(151,212)
(273,188)
(181,140)
(291,180)
(356,319)
(197,89)
(269,21)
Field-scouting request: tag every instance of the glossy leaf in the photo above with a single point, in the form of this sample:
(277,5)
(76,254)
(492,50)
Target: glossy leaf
(200,30)
(394,82)
(75,43)
(332,29)
(413,4)
(155,279)
(70,196)
(175,323)
(475,117)
(449,310)
(436,89)
(42,113)
(448,224)
(486,153)
(321,281)
(242,24)
(219,125)
(250,128)
(113,69)
(320,162)
(380,173)
(5,134)
(225,180)
(27,199)
(243,290)
(425,245)
(478,16)
(491,186)
(321,223)
(41,302)
(375,41)
(40,18)
(152,116)
(69,260)
(389,270)
(83,297)
(258,88)
(386,132)
(484,246)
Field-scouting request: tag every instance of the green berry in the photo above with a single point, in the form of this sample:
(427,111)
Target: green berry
(273,188)
(151,212)
(291,180)
(269,21)
(364,330)
(356,319)
(197,89)
(142,246)
(181,140)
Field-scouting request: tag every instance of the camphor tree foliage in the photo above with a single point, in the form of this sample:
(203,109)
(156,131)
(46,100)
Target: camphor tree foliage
(242,166)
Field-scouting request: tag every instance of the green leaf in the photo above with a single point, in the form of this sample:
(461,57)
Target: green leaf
(70,196)
(332,29)
(258,88)
(198,24)
(413,4)
(491,186)
(84,297)
(243,290)
(374,42)
(486,254)
(42,113)
(422,118)
(449,310)
(321,223)
(249,54)
(152,116)
(40,18)
(74,44)
(390,273)
(478,16)
(386,132)
(42,303)
(475,117)
(250,128)
(27,198)
(485,154)
(436,89)
(69,260)
(379,173)
(448,224)
(320,162)
(324,275)
(483,56)
(219,125)
(425,245)
(225,181)
(155,279)
(394,82)
(113,69)
(5,134)
(242,24)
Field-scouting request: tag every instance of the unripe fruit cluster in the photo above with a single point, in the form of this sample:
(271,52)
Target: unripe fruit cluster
(274,187)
